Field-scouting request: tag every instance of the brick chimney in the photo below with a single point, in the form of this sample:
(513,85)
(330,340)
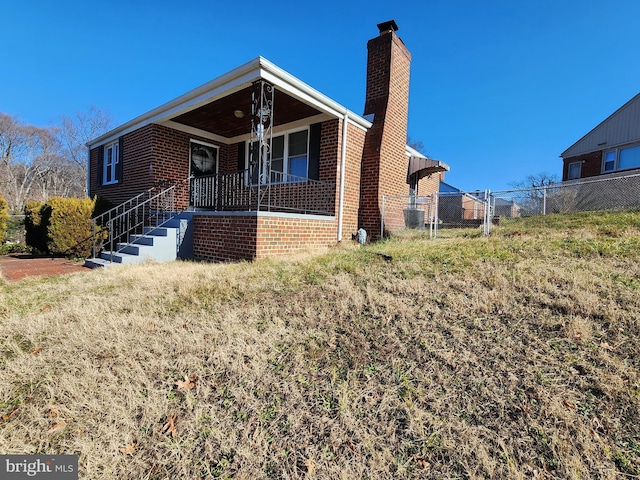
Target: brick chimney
(384,162)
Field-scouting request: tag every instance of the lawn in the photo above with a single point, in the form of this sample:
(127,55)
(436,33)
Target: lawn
(509,356)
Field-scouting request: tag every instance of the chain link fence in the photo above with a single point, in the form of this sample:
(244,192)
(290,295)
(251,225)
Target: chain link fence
(404,212)
(482,209)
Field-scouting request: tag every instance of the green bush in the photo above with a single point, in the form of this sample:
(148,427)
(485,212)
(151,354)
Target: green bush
(69,226)
(35,230)
(9,248)
(101,206)
(60,226)
(4,216)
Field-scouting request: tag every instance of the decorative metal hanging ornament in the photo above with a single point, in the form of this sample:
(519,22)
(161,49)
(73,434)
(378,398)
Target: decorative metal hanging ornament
(261,128)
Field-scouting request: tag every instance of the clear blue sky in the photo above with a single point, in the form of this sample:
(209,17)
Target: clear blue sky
(499,88)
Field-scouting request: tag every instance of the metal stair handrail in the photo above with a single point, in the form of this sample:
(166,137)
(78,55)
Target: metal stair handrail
(146,209)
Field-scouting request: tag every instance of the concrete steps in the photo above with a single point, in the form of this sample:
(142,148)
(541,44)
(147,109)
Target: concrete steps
(172,240)
(159,244)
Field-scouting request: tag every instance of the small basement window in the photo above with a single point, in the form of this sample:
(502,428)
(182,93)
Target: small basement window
(574,171)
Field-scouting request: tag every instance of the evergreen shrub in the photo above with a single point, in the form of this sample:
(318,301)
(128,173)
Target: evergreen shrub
(61,226)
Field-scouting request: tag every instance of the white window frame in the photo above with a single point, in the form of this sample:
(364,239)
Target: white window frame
(616,164)
(110,165)
(285,158)
(569,176)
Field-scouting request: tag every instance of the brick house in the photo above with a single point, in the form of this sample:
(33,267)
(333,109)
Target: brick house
(260,163)
(611,148)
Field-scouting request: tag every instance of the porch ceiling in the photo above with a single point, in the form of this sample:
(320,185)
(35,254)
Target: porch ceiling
(218,116)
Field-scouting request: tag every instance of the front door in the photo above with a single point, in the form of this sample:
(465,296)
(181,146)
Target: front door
(203,168)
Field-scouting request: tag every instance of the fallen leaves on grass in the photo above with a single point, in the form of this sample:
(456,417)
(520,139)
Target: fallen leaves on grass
(58,427)
(169,428)
(188,383)
(606,346)
(129,449)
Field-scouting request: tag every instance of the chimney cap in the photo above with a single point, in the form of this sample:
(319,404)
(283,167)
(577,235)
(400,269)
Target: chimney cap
(388,26)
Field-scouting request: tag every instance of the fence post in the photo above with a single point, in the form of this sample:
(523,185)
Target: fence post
(485,213)
(435,202)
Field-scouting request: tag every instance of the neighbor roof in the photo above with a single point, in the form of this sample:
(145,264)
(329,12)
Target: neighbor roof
(620,128)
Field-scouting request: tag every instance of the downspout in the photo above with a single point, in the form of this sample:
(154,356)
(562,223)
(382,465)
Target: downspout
(343,161)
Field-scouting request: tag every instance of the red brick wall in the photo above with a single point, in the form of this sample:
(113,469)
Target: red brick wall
(283,235)
(136,159)
(428,185)
(245,237)
(384,163)
(353,165)
(152,155)
(591,164)
(224,237)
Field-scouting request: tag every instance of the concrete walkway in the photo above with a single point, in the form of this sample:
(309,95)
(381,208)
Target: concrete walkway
(18,266)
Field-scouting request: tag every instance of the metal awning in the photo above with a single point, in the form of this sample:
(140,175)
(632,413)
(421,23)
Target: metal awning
(421,167)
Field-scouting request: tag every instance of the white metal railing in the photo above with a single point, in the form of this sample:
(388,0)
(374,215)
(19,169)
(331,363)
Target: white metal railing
(282,192)
(152,207)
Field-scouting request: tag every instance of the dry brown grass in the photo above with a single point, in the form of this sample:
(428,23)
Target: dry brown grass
(514,356)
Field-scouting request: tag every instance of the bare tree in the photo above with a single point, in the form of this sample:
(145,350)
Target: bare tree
(39,163)
(538,180)
(534,192)
(74,133)
(26,155)
(417,145)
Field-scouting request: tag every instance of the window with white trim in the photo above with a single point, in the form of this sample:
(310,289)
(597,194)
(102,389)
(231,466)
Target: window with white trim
(110,163)
(289,159)
(624,158)
(574,170)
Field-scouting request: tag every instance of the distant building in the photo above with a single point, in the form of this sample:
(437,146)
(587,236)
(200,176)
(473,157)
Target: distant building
(611,148)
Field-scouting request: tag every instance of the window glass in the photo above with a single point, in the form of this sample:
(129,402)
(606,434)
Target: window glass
(298,142)
(574,170)
(629,158)
(609,161)
(110,162)
(289,158)
(298,167)
(277,154)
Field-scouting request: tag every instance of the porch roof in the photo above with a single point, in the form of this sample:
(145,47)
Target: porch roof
(421,166)
(208,110)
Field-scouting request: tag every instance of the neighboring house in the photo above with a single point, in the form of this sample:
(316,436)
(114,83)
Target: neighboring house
(271,165)
(613,147)
(455,205)
(505,208)
(464,208)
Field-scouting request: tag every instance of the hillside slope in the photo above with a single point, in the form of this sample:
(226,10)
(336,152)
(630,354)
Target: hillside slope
(513,356)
